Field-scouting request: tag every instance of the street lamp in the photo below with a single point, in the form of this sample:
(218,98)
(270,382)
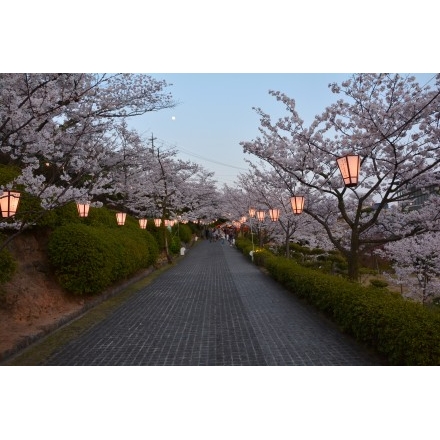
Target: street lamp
(143,223)
(242,221)
(157,222)
(297,203)
(9,203)
(252,212)
(120,218)
(274,214)
(349,166)
(260,216)
(83,209)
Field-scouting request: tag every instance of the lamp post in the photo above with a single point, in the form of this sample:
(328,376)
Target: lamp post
(242,220)
(297,203)
(83,209)
(349,166)
(9,203)
(252,212)
(260,216)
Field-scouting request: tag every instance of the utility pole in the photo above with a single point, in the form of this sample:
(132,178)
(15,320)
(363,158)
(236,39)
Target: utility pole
(152,142)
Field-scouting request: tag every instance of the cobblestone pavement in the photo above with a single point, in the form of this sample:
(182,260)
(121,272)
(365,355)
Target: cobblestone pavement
(213,308)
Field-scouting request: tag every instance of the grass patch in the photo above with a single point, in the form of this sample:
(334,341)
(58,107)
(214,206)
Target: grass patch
(39,352)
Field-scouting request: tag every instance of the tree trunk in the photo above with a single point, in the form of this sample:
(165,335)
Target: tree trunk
(165,240)
(260,237)
(167,252)
(353,267)
(353,258)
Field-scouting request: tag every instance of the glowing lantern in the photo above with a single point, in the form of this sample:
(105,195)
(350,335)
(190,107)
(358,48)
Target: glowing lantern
(143,223)
(120,218)
(274,214)
(157,222)
(9,203)
(297,203)
(83,209)
(260,216)
(349,166)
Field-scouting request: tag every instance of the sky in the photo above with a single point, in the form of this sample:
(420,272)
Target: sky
(215,113)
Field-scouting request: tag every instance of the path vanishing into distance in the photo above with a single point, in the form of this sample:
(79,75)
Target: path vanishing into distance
(214,307)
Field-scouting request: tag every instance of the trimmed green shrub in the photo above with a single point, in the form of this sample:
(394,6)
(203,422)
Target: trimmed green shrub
(102,217)
(159,233)
(60,216)
(245,246)
(260,256)
(184,232)
(175,245)
(153,248)
(87,259)
(378,283)
(83,259)
(405,332)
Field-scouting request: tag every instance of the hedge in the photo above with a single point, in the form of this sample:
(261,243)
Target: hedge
(405,332)
(183,231)
(87,259)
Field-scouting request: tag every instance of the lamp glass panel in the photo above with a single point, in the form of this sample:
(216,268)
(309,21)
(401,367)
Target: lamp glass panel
(9,203)
(349,166)
(83,209)
(143,223)
(120,218)
(297,204)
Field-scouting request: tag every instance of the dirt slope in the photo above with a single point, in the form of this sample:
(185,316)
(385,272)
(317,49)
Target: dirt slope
(32,300)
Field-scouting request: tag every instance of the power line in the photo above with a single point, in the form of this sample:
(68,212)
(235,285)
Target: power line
(191,153)
(211,160)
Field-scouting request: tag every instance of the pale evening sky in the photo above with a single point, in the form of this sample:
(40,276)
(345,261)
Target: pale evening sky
(216,113)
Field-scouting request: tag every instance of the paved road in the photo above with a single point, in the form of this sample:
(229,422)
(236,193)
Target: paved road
(213,308)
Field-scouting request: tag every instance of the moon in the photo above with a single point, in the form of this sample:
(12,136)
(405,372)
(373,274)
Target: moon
(173,118)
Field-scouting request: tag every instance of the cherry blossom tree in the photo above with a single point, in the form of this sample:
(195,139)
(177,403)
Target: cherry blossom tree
(271,189)
(131,161)
(59,129)
(168,187)
(234,202)
(204,200)
(416,263)
(149,181)
(393,124)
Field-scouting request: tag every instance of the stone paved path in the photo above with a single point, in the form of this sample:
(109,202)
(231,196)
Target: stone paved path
(213,308)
